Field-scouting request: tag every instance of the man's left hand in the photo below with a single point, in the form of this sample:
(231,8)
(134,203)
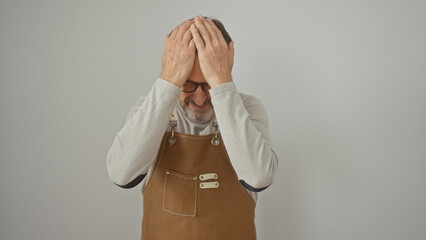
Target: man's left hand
(216,57)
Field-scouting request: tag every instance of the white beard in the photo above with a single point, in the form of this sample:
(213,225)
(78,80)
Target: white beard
(199,117)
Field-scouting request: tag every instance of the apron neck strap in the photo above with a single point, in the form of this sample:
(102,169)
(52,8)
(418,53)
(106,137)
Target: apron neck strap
(173,123)
(173,119)
(173,116)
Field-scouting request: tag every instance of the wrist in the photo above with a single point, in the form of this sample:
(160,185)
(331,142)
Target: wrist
(171,80)
(218,82)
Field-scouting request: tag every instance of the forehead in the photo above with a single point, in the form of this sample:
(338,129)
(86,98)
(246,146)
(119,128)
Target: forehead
(196,74)
(197,80)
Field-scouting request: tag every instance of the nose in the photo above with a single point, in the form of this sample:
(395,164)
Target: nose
(199,96)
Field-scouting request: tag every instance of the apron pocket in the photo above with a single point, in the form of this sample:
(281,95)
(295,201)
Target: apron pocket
(180,193)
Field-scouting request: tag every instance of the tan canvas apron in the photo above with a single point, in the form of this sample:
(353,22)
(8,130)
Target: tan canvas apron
(194,193)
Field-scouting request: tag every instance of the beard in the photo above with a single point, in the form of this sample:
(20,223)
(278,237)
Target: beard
(197,116)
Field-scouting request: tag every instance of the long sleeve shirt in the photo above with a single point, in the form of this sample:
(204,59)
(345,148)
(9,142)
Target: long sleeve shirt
(243,124)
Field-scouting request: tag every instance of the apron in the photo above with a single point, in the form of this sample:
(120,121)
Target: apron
(194,193)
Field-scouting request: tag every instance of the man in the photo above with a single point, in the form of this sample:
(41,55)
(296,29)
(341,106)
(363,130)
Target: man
(201,149)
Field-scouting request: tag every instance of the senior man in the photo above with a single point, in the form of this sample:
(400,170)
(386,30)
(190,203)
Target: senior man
(201,149)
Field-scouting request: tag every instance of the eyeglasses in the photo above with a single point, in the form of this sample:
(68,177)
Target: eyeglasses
(190,86)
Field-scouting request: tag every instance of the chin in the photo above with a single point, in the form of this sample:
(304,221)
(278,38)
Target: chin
(199,116)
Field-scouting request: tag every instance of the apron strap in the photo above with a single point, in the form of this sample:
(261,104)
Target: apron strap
(173,116)
(173,123)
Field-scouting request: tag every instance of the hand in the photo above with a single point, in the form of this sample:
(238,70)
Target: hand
(215,56)
(178,55)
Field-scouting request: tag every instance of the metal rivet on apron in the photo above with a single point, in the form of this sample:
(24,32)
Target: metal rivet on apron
(173,124)
(215,141)
(172,140)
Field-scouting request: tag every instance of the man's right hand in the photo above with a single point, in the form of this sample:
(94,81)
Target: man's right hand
(178,56)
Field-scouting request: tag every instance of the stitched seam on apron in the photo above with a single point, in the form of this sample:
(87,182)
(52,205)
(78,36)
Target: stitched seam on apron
(179,175)
(229,162)
(164,194)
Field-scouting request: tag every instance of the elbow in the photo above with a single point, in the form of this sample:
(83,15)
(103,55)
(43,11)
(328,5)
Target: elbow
(258,184)
(125,182)
(252,188)
(120,177)
(265,179)
(133,183)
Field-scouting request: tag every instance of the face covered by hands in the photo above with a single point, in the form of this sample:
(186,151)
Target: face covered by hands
(211,64)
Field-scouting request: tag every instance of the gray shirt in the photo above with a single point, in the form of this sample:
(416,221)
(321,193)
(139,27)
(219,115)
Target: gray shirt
(243,124)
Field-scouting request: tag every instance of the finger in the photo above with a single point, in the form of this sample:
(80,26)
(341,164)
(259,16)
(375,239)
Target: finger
(192,44)
(219,34)
(197,38)
(203,31)
(182,29)
(177,31)
(231,47)
(187,37)
(231,51)
(167,38)
(173,33)
(212,30)
(166,41)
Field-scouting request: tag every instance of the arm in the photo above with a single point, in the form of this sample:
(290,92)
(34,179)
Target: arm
(245,131)
(135,146)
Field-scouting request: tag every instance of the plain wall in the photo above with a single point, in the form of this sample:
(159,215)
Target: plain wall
(342,81)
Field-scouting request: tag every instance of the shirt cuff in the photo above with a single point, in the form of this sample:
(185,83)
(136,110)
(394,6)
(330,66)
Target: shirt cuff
(167,87)
(222,88)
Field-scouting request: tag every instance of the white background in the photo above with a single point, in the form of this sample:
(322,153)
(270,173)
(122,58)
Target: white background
(342,81)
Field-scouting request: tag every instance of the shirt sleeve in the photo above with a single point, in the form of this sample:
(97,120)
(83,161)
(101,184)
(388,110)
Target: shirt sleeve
(244,128)
(135,146)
